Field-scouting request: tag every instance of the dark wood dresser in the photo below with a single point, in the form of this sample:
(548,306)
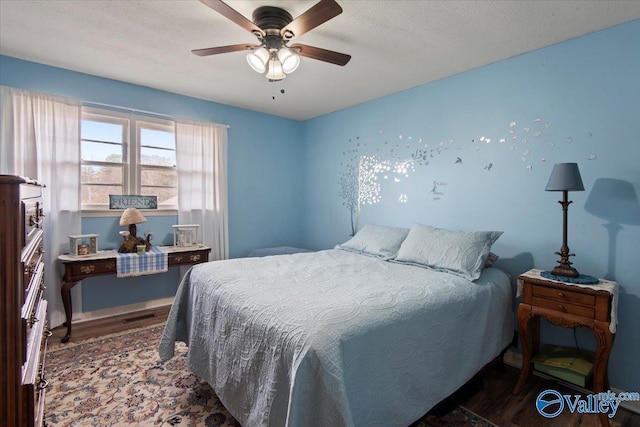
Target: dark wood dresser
(23,309)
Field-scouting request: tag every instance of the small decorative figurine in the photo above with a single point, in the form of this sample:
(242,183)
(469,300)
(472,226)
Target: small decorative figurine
(128,243)
(147,243)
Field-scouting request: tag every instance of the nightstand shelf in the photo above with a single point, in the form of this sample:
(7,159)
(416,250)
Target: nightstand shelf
(569,306)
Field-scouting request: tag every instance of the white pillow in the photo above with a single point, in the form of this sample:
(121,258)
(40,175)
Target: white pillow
(376,240)
(459,252)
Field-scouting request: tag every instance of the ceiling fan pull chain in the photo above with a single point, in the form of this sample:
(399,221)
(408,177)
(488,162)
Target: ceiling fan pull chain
(273,93)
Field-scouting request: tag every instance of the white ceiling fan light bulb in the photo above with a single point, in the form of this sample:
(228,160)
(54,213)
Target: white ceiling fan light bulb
(257,59)
(289,59)
(275,70)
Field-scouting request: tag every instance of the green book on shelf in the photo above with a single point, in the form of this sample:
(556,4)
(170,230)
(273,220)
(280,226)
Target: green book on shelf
(569,364)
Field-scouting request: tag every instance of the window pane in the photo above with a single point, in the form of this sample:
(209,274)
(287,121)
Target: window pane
(116,149)
(91,174)
(100,152)
(166,196)
(157,138)
(151,177)
(99,194)
(154,156)
(100,131)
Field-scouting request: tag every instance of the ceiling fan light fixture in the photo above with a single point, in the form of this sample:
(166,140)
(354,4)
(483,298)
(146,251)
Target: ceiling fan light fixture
(289,59)
(257,59)
(275,70)
(274,28)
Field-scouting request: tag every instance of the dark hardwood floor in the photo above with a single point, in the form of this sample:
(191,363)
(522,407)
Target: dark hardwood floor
(490,397)
(110,325)
(488,394)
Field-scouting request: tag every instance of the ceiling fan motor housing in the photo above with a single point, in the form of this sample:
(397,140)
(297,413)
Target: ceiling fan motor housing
(271,17)
(271,20)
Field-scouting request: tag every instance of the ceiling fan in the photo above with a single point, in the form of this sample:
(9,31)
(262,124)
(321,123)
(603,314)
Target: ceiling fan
(275,27)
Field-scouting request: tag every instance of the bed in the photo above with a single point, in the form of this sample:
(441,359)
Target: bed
(338,337)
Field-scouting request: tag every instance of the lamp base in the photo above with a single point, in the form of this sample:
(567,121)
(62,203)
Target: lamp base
(130,245)
(565,271)
(564,265)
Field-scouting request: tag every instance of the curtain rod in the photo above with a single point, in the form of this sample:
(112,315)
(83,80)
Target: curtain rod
(132,110)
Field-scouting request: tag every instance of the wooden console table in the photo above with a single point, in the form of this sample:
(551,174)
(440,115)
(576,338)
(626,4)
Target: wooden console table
(104,263)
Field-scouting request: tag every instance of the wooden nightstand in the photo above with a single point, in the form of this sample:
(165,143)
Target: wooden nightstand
(569,306)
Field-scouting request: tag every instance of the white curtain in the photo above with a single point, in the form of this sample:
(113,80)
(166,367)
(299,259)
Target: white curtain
(40,139)
(201,150)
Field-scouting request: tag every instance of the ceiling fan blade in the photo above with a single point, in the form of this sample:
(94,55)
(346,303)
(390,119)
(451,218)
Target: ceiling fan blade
(318,14)
(321,54)
(223,49)
(232,14)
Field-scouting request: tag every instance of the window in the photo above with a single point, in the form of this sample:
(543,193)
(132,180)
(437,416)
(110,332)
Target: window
(127,154)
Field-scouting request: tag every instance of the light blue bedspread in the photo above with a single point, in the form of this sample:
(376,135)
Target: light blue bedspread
(335,338)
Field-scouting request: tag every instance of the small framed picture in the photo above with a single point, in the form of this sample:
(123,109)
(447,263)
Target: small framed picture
(185,235)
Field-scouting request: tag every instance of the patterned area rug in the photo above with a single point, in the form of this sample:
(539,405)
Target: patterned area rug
(119,380)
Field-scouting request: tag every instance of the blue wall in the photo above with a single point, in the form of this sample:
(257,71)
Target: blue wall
(577,101)
(264,171)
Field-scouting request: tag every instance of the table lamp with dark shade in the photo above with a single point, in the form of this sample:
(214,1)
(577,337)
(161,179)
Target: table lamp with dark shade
(565,177)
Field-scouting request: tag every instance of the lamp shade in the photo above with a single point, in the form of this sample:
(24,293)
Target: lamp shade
(275,70)
(132,216)
(289,60)
(258,59)
(565,177)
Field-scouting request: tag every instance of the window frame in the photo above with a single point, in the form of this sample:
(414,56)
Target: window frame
(132,125)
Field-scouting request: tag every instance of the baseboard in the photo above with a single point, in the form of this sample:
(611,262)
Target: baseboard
(123,309)
(514,359)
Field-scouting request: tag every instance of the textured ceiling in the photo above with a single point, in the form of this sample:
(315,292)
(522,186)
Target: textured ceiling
(395,45)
